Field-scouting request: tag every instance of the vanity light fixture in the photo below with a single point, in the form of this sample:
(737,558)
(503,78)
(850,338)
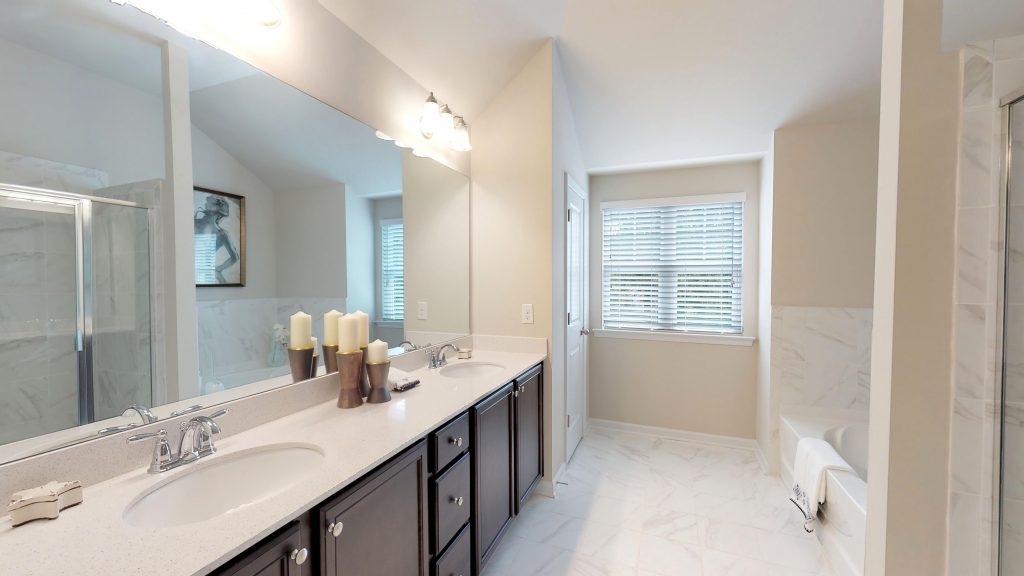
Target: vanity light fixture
(460,136)
(438,120)
(430,117)
(383,136)
(401,144)
(419,153)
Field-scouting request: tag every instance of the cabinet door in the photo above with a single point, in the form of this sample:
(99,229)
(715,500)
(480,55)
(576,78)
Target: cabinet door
(279,555)
(379,526)
(529,400)
(493,481)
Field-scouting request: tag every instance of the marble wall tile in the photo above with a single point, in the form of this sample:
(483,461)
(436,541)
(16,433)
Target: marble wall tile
(1013,450)
(977,89)
(971,342)
(821,356)
(975,167)
(966,463)
(40,173)
(1009,77)
(964,552)
(973,255)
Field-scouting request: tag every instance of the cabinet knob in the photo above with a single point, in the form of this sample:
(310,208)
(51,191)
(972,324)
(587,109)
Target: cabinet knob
(335,528)
(457,500)
(456,441)
(300,556)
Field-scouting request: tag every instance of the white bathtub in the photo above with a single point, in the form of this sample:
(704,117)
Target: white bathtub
(841,525)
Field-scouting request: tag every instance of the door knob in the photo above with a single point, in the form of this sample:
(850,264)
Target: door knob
(584,331)
(300,556)
(457,500)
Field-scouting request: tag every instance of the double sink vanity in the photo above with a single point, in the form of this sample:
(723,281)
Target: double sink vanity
(426,484)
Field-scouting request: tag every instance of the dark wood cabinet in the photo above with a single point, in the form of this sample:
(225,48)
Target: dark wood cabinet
(440,508)
(493,472)
(378,527)
(282,554)
(529,427)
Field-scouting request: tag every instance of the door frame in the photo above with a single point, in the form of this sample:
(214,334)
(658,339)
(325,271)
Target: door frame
(573,187)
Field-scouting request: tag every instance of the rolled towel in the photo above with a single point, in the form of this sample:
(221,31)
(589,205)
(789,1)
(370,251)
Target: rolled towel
(814,458)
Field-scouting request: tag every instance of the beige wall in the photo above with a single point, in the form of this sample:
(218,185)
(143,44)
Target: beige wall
(708,388)
(312,223)
(913,295)
(823,245)
(435,202)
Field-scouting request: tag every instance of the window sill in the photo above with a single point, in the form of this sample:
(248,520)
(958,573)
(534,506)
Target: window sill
(389,323)
(717,339)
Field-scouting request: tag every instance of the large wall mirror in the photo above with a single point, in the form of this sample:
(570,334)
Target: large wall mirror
(121,287)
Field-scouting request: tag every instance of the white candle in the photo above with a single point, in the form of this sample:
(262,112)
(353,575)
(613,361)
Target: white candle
(364,328)
(316,348)
(348,334)
(331,328)
(301,330)
(377,351)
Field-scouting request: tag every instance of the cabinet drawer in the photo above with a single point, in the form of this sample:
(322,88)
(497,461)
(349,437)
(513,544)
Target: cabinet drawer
(451,502)
(447,443)
(458,559)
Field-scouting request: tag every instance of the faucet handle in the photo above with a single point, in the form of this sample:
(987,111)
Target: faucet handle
(162,455)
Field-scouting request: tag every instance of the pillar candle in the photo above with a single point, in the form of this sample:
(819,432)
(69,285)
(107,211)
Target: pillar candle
(301,330)
(377,351)
(348,334)
(331,328)
(316,346)
(364,328)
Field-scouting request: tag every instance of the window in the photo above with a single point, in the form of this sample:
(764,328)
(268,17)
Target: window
(392,270)
(673,265)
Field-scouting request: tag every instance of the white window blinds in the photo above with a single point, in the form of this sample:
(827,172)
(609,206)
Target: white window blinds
(392,273)
(677,266)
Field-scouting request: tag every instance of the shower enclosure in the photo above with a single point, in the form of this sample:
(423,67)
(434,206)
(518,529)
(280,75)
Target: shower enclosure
(75,316)
(1011,485)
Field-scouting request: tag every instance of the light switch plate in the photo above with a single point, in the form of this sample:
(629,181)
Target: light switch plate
(421,310)
(527,313)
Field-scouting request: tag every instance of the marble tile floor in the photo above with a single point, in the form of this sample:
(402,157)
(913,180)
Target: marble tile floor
(639,505)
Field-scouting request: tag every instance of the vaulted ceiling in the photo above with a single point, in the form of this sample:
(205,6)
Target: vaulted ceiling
(651,82)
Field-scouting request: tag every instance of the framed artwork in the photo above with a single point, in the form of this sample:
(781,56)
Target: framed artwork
(219,237)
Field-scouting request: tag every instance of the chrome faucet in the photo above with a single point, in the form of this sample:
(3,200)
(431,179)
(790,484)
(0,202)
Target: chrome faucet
(144,413)
(412,347)
(437,358)
(196,442)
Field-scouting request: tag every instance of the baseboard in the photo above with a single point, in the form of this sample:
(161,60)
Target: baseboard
(685,435)
(762,460)
(549,488)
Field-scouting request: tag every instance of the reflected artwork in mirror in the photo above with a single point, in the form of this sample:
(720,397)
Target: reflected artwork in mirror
(130,293)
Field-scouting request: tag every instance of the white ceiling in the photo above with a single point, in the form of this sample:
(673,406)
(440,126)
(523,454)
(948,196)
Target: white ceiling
(651,83)
(978,20)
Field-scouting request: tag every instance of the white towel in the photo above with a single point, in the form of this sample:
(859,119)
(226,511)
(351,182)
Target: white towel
(396,376)
(814,458)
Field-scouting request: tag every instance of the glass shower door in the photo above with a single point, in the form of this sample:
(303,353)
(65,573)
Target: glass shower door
(1011,516)
(39,317)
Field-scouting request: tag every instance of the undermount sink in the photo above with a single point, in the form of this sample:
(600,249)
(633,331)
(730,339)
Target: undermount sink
(224,484)
(471,369)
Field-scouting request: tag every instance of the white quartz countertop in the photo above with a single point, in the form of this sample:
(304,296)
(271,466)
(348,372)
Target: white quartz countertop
(94,538)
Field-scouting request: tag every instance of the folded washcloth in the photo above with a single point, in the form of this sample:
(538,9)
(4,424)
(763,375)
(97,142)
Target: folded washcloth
(814,458)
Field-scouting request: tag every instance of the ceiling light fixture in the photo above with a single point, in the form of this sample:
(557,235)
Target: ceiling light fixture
(438,120)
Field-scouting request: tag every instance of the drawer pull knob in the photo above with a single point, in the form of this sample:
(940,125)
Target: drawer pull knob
(457,500)
(300,556)
(456,441)
(335,528)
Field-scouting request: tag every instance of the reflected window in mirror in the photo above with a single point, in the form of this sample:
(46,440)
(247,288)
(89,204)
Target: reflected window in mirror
(392,270)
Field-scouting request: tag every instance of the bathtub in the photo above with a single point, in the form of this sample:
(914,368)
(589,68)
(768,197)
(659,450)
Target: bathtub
(841,525)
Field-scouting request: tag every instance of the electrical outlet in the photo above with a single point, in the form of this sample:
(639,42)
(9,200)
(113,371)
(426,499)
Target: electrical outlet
(421,310)
(527,313)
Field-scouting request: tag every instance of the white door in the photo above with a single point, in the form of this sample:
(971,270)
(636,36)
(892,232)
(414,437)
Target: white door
(576,305)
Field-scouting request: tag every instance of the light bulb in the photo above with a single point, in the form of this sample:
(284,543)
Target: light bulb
(430,117)
(460,137)
(446,124)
